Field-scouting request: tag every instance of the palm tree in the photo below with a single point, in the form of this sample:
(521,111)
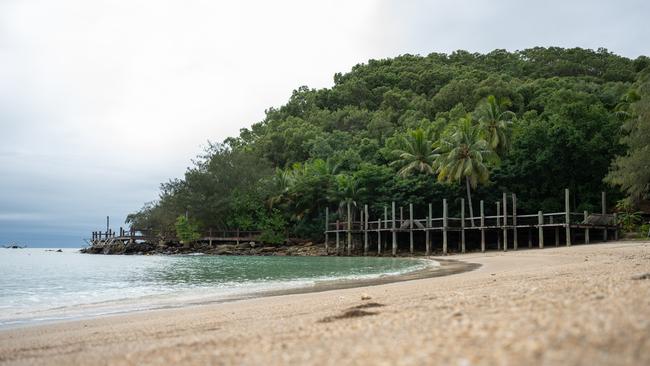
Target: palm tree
(464,155)
(494,121)
(416,155)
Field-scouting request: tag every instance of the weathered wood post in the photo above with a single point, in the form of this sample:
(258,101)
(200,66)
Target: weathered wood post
(349,229)
(394,230)
(444,226)
(338,247)
(530,238)
(615,226)
(603,203)
(540,228)
(385,217)
(379,236)
(514,221)
(327,224)
(209,236)
(505,222)
(567,217)
(411,228)
(585,215)
(385,243)
(462,225)
(365,230)
(428,230)
(498,225)
(482,227)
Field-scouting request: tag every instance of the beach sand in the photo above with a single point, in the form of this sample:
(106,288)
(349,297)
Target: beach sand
(580,305)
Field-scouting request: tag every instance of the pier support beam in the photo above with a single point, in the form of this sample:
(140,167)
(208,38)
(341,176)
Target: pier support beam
(482,227)
(585,215)
(540,228)
(444,226)
(498,225)
(338,246)
(411,228)
(567,217)
(365,230)
(514,221)
(603,203)
(428,231)
(327,221)
(394,232)
(379,236)
(505,223)
(349,229)
(462,225)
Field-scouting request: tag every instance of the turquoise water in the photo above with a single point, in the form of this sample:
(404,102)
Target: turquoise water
(39,285)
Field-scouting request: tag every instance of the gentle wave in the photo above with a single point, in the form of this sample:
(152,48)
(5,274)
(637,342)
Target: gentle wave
(42,286)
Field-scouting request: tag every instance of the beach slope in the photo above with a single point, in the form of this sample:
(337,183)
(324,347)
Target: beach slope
(580,305)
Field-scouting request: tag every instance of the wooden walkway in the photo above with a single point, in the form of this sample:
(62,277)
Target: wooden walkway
(504,227)
(211,237)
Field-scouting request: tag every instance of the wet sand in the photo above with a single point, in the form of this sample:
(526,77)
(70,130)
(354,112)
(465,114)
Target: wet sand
(581,305)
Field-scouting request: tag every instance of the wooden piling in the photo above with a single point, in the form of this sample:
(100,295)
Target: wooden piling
(337,238)
(385,217)
(615,226)
(444,226)
(427,231)
(505,223)
(603,203)
(567,217)
(540,228)
(379,236)
(585,215)
(394,232)
(462,225)
(498,225)
(365,230)
(482,227)
(349,229)
(514,221)
(327,224)
(411,228)
(530,238)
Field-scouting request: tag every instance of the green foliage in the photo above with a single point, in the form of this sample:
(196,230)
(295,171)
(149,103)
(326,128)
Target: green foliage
(273,228)
(628,218)
(631,171)
(552,115)
(186,230)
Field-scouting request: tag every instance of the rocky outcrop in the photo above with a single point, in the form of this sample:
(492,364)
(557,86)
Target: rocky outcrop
(291,248)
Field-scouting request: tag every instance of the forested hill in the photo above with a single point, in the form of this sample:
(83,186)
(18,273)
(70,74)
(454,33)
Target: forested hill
(531,122)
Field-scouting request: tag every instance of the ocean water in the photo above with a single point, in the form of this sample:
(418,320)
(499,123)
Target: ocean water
(41,285)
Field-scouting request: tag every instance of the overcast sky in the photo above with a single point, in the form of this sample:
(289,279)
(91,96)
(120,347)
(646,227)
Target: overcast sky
(100,101)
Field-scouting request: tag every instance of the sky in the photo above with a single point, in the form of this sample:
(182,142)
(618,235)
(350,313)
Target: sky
(101,101)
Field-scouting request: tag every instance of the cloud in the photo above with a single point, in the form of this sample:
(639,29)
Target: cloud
(100,101)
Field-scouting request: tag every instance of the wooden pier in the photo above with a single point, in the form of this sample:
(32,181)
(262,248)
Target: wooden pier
(502,231)
(99,238)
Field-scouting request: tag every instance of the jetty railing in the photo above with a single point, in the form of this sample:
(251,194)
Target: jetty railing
(134,235)
(505,227)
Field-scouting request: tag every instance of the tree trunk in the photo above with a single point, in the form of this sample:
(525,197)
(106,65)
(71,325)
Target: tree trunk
(469,201)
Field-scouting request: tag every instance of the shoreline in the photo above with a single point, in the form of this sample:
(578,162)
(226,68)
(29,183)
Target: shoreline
(439,267)
(568,305)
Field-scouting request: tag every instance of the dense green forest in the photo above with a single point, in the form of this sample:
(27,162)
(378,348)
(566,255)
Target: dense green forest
(416,129)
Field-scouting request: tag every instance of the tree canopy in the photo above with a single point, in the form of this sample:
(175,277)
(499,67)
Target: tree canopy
(553,115)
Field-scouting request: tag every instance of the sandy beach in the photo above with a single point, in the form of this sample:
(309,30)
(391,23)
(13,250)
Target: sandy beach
(580,305)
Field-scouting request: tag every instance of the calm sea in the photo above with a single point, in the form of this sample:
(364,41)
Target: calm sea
(41,285)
